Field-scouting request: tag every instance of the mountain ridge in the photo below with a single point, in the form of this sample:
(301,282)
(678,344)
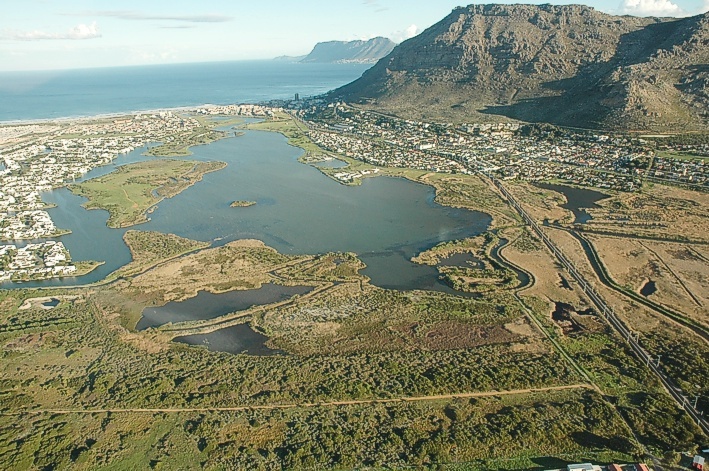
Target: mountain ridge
(569,65)
(358,51)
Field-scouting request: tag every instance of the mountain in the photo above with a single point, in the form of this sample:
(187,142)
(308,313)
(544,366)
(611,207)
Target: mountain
(569,65)
(365,52)
(289,58)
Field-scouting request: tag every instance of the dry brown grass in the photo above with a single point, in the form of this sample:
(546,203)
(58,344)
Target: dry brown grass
(540,203)
(680,276)
(657,211)
(243,264)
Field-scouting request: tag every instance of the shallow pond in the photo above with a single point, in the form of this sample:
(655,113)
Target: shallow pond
(209,306)
(577,199)
(236,339)
(648,288)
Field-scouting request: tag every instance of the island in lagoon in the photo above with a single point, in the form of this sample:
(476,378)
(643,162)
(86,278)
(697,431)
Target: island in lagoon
(242,204)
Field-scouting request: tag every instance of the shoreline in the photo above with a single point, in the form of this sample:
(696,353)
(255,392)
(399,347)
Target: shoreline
(77,118)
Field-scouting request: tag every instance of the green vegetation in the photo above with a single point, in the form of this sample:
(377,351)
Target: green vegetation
(504,432)
(487,276)
(344,342)
(681,155)
(85,267)
(685,359)
(129,192)
(474,280)
(178,145)
(635,392)
(295,132)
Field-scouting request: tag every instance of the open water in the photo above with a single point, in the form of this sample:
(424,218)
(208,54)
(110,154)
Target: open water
(88,92)
(385,221)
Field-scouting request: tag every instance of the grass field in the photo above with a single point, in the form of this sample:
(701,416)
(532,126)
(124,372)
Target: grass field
(179,144)
(129,192)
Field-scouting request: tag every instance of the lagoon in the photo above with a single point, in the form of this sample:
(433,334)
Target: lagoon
(385,221)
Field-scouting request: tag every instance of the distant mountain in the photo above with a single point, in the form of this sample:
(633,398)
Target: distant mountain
(569,65)
(289,58)
(364,52)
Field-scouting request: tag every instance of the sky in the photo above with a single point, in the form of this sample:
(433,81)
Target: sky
(69,34)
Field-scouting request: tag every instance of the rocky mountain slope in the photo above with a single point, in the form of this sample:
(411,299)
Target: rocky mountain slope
(351,51)
(569,65)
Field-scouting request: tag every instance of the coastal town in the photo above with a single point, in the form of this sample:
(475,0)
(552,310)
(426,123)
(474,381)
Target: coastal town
(43,260)
(509,151)
(38,157)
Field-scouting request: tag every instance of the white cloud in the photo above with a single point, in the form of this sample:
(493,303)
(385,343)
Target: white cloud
(407,33)
(136,15)
(651,8)
(705,7)
(81,31)
(375,5)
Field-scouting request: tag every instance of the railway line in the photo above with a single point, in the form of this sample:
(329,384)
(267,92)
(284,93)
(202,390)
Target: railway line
(608,313)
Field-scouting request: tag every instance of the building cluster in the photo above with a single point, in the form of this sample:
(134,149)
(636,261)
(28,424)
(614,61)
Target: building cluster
(31,224)
(384,153)
(35,261)
(237,110)
(610,467)
(59,154)
(349,177)
(691,171)
(507,150)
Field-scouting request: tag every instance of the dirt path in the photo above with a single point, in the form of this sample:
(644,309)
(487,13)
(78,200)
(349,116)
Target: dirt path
(295,406)
(135,205)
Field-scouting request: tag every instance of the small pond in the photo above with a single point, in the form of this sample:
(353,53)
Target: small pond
(210,306)
(236,339)
(577,200)
(54,302)
(648,288)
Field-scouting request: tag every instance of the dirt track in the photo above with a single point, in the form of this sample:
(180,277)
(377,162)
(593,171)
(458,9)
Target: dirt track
(294,406)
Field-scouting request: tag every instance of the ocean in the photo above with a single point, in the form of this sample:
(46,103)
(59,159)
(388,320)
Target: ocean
(86,92)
